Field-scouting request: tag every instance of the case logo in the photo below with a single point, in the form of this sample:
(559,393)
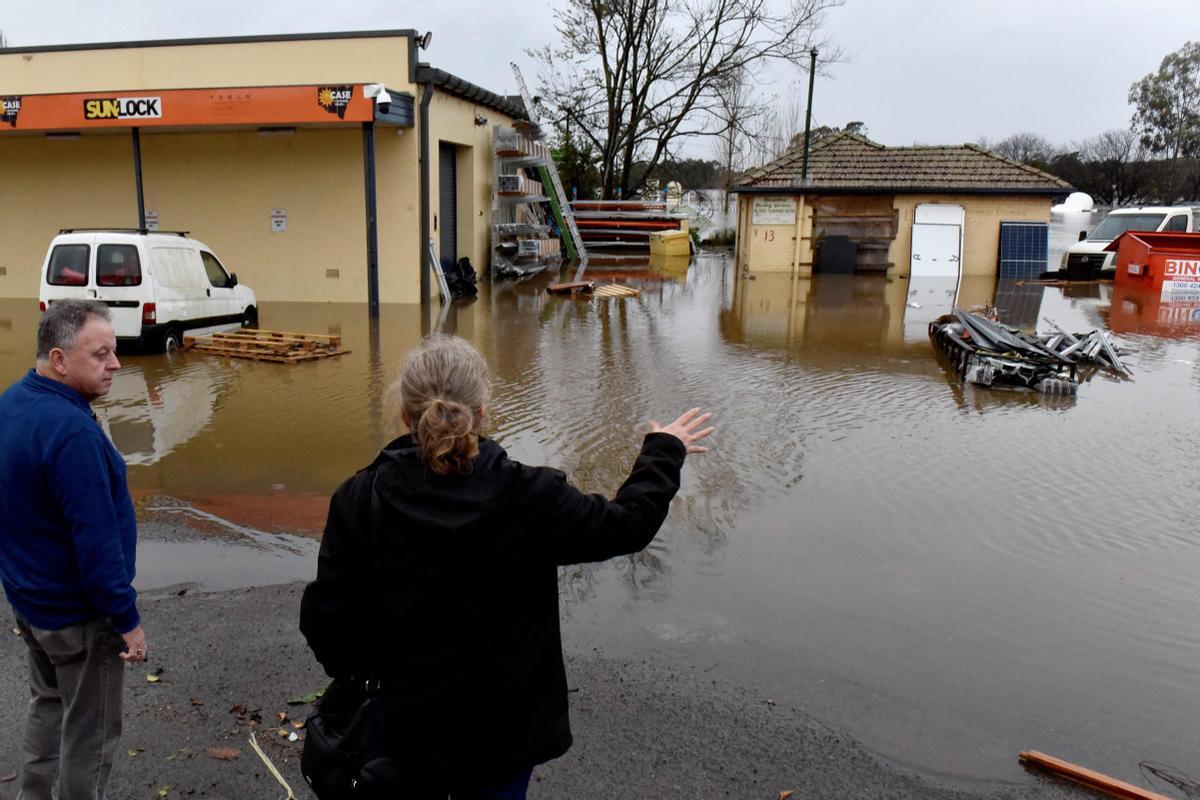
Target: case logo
(335,99)
(10,107)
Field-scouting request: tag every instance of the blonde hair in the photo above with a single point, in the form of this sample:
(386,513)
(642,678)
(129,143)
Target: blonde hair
(442,390)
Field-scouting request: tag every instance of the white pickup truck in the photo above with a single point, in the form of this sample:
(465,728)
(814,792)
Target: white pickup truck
(1087,259)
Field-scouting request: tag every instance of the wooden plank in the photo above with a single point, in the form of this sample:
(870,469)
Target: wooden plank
(1090,778)
(572,287)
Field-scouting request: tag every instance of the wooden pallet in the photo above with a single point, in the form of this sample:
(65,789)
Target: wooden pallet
(279,347)
(616,290)
(590,288)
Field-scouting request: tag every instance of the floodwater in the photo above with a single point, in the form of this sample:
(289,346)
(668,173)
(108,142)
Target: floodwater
(949,574)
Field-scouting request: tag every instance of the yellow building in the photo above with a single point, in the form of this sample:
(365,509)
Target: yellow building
(318,167)
(940,211)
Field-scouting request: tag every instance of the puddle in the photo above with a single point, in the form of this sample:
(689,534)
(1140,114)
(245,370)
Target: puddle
(179,544)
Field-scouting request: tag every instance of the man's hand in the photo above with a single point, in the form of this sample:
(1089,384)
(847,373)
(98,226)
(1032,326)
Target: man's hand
(135,645)
(684,429)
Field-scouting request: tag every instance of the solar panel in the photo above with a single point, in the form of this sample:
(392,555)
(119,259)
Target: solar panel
(1024,249)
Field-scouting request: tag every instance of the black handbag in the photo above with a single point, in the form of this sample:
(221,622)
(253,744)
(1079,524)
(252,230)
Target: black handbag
(345,746)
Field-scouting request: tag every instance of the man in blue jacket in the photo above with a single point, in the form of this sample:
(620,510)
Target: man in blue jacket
(67,540)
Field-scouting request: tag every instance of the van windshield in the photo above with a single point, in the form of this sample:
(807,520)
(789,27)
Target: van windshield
(1116,224)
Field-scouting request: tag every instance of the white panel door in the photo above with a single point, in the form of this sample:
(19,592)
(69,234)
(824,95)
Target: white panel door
(935,251)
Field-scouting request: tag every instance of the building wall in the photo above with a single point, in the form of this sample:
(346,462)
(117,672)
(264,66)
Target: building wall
(452,120)
(50,184)
(981,227)
(775,248)
(223,186)
(772,248)
(398,210)
(382,59)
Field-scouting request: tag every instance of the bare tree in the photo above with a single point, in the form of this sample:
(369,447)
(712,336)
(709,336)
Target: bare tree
(1026,147)
(3,41)
(736,113)
(776,129)
(1118,157)
(636,76)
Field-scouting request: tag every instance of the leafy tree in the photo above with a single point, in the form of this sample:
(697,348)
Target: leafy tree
(691,173)
(635,77)
(1167,105)
(576,163)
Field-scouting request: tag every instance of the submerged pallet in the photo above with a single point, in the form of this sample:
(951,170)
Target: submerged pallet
(590,288)
(276,346)
(616,290)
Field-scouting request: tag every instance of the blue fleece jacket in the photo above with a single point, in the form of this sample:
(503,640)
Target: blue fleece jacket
(67,529)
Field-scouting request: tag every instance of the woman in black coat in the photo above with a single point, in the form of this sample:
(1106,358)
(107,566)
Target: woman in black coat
(438,577)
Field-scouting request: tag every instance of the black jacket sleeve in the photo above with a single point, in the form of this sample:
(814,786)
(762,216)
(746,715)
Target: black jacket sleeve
(333,611)
(589,527)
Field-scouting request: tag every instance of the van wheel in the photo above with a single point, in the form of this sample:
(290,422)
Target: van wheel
(171,341)
(250,317)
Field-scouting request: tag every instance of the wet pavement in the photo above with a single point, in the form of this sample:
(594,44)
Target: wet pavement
(950,574)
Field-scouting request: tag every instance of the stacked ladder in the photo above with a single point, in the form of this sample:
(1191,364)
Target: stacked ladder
(558,197)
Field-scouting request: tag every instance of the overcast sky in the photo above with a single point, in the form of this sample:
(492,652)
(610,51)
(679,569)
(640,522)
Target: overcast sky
(916,71)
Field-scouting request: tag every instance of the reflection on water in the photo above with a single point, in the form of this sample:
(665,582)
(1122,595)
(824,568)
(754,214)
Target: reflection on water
(155,408)
(950,573)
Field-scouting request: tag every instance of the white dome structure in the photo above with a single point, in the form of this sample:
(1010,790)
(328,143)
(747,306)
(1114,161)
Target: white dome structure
(1075,203)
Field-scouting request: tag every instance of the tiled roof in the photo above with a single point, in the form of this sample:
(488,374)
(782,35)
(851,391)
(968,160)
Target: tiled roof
(849,162)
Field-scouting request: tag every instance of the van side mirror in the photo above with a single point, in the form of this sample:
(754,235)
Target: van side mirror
(232,279)
(1082,235)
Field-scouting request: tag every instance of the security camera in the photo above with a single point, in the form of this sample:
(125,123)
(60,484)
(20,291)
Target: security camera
(383,100)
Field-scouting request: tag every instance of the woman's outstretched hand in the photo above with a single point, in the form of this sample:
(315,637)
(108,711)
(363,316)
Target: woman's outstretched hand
(685,429)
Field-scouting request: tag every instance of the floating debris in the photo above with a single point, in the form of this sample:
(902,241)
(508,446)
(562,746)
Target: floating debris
(1102,783)
(262,345)
(590,288)
(987,353)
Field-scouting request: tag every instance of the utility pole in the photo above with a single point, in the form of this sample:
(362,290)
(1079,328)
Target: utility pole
(812,74)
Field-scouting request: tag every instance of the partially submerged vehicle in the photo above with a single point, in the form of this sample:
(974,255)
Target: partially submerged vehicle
(986,353)
(1089,258)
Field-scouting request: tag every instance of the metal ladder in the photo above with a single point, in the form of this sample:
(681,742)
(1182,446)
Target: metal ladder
(563,210)
(443,287)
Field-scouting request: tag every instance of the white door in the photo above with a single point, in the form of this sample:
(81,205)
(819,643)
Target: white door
(221,302)
(935,250)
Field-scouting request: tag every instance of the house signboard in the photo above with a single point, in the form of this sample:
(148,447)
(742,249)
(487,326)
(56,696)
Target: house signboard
(773,211)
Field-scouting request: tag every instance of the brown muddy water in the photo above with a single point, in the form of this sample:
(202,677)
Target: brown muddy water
(949,574)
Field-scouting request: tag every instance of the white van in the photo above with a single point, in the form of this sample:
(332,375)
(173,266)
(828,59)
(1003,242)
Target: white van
(1087,257)
(157,285)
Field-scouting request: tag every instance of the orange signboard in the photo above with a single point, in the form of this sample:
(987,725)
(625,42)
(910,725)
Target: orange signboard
(265,105)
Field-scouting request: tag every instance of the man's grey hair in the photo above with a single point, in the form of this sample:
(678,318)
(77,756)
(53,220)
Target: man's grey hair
(62,322)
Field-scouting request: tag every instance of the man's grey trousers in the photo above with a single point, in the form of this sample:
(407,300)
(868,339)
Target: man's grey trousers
(74,722)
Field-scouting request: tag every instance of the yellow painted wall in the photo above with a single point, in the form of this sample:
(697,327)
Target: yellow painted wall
(49,184)
(774,248)
(452,120)
(398,206)
(981,227)
(367,60)
(759,252)
(223,186)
